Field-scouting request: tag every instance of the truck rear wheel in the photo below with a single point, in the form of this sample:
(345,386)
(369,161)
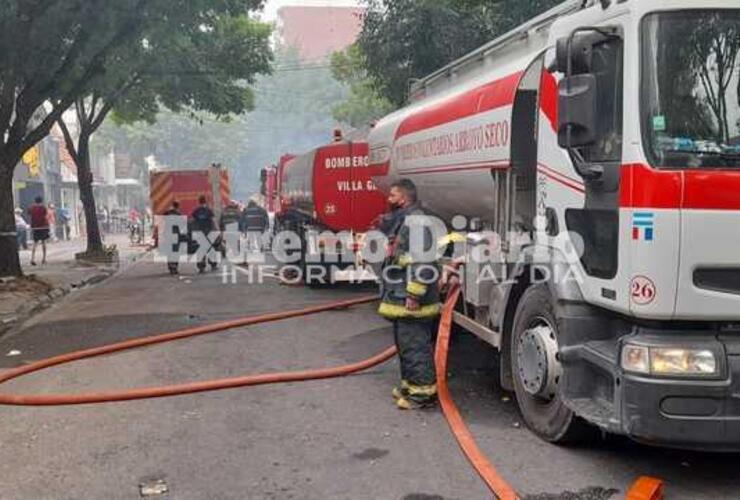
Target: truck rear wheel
(307,270)
(537,372)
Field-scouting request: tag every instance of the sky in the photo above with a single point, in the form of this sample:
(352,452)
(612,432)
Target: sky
(272,6)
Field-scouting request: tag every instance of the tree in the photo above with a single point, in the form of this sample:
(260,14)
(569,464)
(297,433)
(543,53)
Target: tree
(406,39)
(715,47)
(292,114)
(194,68)
(364,104)
(53,53)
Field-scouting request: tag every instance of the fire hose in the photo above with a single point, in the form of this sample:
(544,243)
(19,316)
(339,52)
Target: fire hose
(498,486)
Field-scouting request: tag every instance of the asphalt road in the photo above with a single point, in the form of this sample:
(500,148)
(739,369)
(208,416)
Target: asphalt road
(316,440)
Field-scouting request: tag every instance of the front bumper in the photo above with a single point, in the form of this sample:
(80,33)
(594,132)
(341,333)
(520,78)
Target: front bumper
(696,415)
(688,413)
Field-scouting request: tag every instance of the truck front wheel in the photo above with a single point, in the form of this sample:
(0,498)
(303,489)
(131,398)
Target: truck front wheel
(537,372)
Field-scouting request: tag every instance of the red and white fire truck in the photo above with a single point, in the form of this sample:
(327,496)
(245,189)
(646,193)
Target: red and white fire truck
(186,186)
(601,140)
(268,188)
(280,172)
(328,197)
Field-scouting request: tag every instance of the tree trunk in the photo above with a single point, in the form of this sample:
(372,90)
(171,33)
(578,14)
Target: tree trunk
(85,183)
(10,264)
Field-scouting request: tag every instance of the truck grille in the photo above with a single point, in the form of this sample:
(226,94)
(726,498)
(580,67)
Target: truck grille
(725,280)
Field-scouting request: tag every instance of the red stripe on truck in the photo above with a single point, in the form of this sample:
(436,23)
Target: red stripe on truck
(704,189)
(487,97)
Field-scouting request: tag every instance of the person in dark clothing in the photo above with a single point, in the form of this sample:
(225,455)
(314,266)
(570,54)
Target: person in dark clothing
(39,228)
(230,215)
(172,260)
(63,222)
(410,299)
(255,222)
(230,223)
(203,220)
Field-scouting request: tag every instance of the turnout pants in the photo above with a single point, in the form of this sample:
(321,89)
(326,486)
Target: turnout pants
(416,352)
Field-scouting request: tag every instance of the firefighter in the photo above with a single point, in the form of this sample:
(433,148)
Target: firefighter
(410,299)
(256,222)
(172,259)
(230,219)
(203,221)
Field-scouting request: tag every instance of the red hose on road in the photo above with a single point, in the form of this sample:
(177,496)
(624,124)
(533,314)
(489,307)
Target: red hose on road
(189,388)
(464,437)
(485,469)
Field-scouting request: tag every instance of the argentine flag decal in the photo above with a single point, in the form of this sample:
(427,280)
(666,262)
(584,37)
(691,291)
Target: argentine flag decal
(643,226)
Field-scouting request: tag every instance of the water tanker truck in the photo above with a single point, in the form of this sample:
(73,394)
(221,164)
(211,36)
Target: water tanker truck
(593,152)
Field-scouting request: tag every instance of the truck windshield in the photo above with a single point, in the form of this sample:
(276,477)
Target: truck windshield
(691,88)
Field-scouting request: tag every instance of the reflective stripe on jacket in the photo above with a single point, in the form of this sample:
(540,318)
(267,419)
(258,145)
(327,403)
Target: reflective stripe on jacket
(403,276)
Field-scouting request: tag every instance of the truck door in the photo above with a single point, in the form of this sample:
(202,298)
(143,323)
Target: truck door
(686,194)
(579,187)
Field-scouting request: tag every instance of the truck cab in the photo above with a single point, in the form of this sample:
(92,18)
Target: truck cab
(656,87)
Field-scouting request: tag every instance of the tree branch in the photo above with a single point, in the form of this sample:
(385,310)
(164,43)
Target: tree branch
(32,97)
(7,104)
(42,130)
(102,114)
(93,104)
(69,141)
(80,111)
(111,101)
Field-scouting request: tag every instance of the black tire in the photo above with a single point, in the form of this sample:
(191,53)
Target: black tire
(307,279)
(550,419)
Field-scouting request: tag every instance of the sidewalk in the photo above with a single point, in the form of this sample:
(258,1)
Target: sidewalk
(42,285)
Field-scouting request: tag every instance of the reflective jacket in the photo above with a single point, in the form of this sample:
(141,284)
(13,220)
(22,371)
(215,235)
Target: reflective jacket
(230,215)
(255,219)
(405,274)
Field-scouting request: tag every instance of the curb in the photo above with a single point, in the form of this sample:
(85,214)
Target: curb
(24,313)
(45,301)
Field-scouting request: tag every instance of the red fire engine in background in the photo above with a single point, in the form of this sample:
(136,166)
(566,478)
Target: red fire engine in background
(186,186)
(327,195)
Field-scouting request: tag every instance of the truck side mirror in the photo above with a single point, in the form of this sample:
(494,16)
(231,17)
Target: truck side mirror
(581,52)
(577,111)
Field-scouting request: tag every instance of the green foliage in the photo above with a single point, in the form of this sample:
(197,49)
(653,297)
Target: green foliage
(364,103)
(57,51)
(54,53)
(206,68)
(406,39)
(292,114)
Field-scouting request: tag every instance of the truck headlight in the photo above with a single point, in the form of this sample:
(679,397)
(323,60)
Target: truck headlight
(672,361)
(669,361)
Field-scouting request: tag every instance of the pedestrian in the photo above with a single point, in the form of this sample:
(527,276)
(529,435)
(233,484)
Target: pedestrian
(21,229)
(410,299)
(173,254)
(63,219)
(51,216)
(255,221)
(134,221)
(203,220)
(39,228)
(102,220)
